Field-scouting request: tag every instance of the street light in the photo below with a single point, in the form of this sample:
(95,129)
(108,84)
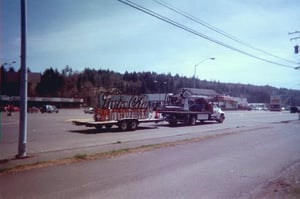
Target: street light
(210,58)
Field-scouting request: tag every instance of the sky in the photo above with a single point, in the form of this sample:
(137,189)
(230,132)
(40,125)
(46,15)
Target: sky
(107,34)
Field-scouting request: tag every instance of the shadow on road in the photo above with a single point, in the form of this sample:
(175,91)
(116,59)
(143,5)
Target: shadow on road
(185,125)
(109,130)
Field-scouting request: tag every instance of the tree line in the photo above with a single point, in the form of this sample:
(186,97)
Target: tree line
(86,83)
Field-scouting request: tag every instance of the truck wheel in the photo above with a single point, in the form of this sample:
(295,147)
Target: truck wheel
(193,121)
(123,125)
(221,119)
(173,123)
(133,125)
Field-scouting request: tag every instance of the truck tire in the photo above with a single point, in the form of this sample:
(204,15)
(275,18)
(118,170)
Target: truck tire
(221,119)
(123,125)
(193,120)
(133,125)
(173,123)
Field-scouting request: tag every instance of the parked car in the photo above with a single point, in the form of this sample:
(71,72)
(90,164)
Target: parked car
(33,109)
(48,109)
(295,109)
(88,110)
(11,108)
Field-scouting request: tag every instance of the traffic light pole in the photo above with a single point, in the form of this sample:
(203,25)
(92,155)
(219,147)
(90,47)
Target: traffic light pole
(296,48)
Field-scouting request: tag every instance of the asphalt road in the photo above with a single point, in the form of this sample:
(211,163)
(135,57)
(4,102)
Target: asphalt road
(53,132)
(249,151)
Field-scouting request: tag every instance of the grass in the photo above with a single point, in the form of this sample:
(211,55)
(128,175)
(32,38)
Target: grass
(296,191)
(80,156)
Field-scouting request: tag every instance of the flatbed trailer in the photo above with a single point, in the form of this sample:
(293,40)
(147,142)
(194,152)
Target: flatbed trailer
(124,111)
(123,124)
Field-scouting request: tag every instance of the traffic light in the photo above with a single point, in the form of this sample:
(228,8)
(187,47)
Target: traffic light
(296,49)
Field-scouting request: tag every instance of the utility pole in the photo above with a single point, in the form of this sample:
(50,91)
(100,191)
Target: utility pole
(23,87)
(296,51)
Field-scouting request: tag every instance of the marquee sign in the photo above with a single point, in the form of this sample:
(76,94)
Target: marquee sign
(118,107)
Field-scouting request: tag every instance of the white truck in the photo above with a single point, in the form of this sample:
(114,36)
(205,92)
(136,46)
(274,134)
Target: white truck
(124,111)
(187,108)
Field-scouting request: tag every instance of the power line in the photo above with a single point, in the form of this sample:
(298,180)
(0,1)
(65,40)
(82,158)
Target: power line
(218,30)
(178,25)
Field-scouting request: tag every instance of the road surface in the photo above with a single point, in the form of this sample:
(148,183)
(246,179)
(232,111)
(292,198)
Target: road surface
(53,132)
(236,163)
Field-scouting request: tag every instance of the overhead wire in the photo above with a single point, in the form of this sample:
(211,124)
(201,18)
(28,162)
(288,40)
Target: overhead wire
(218,30)
(190,30)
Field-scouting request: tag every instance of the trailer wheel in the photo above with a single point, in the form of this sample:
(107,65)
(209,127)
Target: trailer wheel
(123,125)
(193,121)
(108,126)
(98,127)
(133,125)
